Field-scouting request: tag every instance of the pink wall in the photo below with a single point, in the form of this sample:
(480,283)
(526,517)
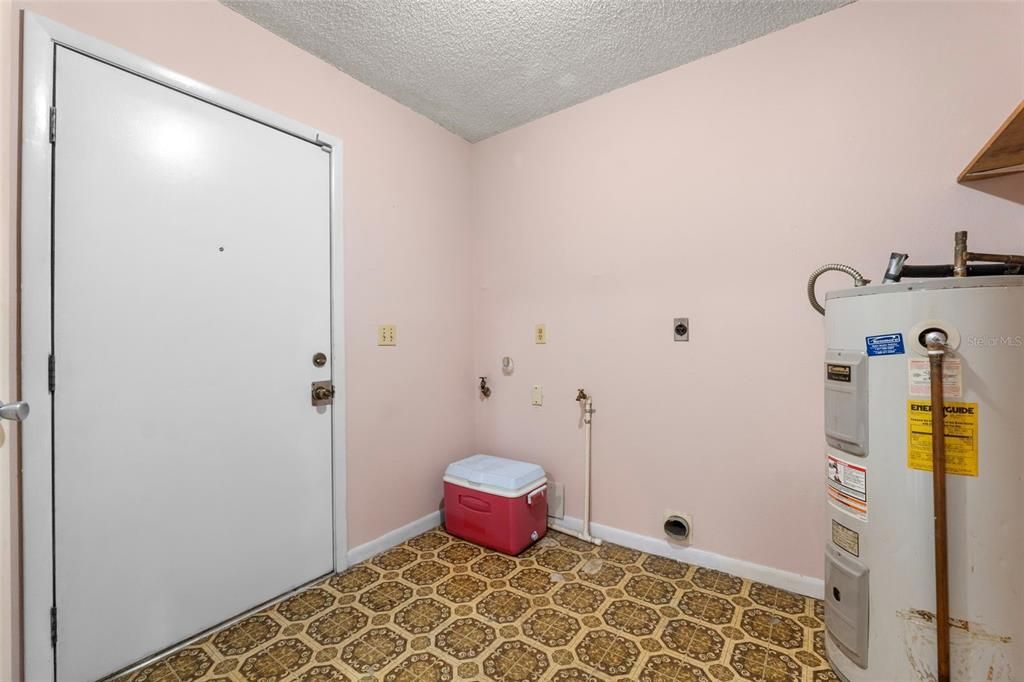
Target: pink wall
(711,191)
(708,191)
(406,211)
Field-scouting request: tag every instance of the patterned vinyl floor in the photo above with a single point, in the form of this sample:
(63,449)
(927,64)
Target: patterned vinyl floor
(437,608)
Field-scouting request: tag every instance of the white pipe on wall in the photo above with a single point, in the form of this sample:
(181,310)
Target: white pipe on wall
(588,412)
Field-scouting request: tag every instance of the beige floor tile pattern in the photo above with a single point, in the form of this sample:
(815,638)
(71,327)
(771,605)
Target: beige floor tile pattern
(437,608)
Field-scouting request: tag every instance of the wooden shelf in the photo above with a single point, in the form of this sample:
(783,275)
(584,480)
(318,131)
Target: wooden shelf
(1001,155)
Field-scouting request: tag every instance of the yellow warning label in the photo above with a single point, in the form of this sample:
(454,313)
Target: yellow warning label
(961,425)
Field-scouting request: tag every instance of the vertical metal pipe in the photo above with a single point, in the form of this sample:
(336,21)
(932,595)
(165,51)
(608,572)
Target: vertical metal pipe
(936,352)
(960,254)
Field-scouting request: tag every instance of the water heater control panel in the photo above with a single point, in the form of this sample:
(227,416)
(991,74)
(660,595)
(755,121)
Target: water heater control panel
(846,400)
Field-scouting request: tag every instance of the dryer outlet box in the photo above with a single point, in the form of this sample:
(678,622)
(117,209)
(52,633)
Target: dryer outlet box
(556,500)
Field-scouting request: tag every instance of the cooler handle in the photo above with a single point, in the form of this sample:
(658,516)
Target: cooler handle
(474,503)
(538,491)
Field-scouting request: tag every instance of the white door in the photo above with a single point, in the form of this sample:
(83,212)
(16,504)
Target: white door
(191,280)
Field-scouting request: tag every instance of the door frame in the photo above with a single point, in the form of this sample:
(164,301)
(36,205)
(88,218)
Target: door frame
(40,37)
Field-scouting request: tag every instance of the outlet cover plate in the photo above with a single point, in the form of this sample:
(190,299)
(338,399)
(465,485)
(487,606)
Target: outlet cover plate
(387,335)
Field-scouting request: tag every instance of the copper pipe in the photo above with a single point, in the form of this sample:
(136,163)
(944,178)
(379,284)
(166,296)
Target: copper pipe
(961,256)
(994,258)
(936,342)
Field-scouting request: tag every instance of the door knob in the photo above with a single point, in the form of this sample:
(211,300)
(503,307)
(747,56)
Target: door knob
(16,412)
(322,393)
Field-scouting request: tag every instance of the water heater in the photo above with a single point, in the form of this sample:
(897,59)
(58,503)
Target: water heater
(880,557)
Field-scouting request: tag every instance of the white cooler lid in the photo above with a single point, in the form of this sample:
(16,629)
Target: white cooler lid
(495,472)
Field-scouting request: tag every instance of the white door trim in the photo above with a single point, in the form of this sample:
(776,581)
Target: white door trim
(40,36)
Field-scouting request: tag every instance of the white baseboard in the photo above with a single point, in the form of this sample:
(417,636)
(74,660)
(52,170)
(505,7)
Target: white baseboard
(786,580)
(394,537)
(793,582)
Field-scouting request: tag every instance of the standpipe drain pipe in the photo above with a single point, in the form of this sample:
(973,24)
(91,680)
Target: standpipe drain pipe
(935,341)
(588,414)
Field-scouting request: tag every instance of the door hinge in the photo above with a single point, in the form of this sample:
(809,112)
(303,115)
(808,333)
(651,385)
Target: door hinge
(53,626)
(53,124)
(52,373)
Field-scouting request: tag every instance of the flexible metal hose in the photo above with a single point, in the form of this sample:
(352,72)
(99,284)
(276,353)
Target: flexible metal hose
(858,281)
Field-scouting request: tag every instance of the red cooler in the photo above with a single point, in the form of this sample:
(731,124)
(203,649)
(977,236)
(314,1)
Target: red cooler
(495,502)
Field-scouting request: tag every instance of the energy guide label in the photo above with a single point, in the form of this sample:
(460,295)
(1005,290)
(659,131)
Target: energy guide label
(847,486)
(961,426)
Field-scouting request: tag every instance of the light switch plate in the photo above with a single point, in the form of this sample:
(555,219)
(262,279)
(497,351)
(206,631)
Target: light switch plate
(537,396)
(387,335)
(540,335)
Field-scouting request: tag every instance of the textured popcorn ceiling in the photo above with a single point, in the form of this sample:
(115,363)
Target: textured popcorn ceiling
(479,67)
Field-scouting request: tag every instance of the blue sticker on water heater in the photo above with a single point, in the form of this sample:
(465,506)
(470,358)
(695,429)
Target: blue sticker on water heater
(885,344)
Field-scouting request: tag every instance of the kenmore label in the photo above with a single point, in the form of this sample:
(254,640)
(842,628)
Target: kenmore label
(885,344)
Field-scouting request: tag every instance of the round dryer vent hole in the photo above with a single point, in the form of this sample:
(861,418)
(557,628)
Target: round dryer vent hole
(678,527)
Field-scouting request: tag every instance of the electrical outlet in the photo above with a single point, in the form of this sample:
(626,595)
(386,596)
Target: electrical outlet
(387,335)
(537,396)
(541,334)
(681,329)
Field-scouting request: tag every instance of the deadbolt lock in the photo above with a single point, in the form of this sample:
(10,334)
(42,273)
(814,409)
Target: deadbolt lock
(322,393)
(319,360)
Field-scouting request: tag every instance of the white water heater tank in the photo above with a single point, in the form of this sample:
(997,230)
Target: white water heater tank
(879,566)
